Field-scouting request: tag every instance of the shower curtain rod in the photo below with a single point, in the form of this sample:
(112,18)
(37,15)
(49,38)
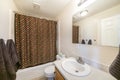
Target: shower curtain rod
(33,16)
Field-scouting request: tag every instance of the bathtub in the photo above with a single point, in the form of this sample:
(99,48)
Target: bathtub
(33,73)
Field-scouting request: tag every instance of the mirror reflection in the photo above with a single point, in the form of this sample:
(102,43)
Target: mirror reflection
(98,24)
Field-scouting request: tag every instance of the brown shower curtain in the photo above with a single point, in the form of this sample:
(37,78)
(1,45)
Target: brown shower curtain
(35,40)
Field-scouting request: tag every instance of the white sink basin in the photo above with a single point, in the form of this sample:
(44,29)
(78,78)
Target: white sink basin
(71,66)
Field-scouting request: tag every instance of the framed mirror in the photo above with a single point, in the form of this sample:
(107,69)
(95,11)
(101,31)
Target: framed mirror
(98,24)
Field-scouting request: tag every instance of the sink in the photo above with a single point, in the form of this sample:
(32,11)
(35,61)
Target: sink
(71,66)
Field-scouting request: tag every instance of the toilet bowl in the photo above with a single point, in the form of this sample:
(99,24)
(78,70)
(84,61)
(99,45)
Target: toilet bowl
(49,72)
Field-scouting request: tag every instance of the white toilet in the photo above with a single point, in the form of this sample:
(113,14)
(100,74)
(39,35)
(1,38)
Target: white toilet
(49,72)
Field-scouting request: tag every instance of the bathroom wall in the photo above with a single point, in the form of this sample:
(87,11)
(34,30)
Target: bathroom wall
(6,6)
(99,54)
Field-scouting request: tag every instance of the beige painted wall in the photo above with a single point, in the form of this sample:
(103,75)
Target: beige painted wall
(5,16)
(103,55)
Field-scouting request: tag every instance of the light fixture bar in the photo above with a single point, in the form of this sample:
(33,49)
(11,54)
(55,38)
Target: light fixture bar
(86,3)
(81,2)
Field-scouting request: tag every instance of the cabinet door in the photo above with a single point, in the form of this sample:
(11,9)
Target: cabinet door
(58,75)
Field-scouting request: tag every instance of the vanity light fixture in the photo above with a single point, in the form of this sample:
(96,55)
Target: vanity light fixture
(84,13)
(85,3)
(81,2)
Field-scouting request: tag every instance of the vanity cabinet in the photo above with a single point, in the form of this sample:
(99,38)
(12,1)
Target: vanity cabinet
(58,75)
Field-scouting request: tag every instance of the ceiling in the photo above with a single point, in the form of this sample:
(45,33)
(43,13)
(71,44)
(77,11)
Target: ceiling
(45,8)
(96,7)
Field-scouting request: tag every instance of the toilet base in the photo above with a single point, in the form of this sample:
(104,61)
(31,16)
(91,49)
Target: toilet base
(50,78)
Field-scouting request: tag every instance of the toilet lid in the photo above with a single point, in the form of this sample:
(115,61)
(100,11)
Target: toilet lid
(50,69)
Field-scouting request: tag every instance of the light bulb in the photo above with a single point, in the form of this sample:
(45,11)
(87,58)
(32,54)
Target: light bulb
(84,13)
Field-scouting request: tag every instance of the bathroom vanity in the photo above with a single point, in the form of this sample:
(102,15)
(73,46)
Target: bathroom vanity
(95,74)
(58,75)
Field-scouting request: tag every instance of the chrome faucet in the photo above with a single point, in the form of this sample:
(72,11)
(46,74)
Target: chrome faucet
(80,60)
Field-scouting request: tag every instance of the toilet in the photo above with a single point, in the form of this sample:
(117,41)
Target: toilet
(49,72)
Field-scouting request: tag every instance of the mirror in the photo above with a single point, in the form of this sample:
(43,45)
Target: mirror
(100,26)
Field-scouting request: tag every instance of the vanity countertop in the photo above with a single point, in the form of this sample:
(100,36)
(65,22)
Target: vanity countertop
(95,74)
